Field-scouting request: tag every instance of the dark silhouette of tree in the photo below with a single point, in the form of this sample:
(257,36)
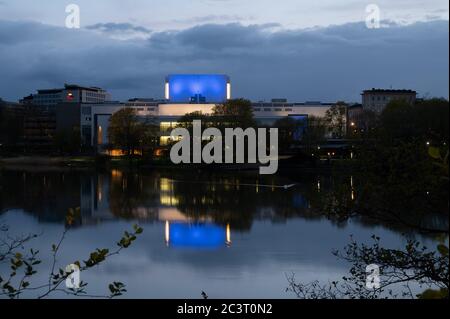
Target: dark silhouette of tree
(335,118)
(398,269)
(128,133)
(234,113)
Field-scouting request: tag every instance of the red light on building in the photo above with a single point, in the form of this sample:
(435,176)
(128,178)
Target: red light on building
(70,96)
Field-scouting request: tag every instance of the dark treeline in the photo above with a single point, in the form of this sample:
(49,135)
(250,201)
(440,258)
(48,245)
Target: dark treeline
(400,179)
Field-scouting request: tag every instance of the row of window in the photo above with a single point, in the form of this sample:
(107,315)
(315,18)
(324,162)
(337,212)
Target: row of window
(93,94)
(93,99)
(141,109)
(379,98)
(270,110)
(87,110)
(387,98)
(47,96)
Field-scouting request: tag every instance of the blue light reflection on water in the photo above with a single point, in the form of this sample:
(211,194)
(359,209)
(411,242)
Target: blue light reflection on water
(198,235)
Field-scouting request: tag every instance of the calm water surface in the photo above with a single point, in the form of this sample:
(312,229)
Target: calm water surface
(233,235)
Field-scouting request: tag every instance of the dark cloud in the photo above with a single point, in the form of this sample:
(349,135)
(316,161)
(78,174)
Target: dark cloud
(264,61)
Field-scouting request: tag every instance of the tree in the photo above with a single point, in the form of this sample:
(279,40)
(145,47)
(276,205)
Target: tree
(415,264)
(128,133)
(234,113)
(427,120)
(396,179)
(335,118)
(403,184)
(186,120)
(149,134)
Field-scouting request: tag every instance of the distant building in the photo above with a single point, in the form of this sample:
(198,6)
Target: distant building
(12,107)
(52,112)
(39,129)
(11,124)
(377,99)
(94,119)
(187,93)
(71,93)
(267,113)
(27,100)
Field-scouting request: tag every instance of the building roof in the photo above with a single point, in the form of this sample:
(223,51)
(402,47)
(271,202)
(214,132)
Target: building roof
(290,104)
(88,88)
(70,87)
(402,91)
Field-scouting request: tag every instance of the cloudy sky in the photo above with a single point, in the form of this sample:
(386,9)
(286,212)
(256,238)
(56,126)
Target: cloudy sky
(301,50)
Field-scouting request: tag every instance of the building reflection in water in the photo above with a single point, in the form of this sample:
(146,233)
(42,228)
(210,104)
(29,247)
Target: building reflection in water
(181,234)
(99,202)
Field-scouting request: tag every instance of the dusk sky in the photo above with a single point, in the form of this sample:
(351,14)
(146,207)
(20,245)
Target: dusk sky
(300,50)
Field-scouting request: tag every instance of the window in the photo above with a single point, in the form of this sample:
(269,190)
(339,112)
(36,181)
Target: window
(257,110)
(166,126)
(288,110)
(267,110)
(99,135)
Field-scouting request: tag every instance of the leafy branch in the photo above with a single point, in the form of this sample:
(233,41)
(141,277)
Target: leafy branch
(399,269)
(23,266)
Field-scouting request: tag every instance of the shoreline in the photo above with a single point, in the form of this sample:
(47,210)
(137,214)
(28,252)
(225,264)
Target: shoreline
(43,163)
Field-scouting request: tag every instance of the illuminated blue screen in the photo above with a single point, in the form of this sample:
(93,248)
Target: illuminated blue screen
(196,235)
(197,88)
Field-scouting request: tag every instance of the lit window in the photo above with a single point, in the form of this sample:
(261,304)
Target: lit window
(99,136)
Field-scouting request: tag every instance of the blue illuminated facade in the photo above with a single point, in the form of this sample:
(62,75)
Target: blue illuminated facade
(197,88)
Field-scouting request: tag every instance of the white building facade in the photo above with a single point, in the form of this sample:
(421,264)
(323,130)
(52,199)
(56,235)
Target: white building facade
(95,118)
